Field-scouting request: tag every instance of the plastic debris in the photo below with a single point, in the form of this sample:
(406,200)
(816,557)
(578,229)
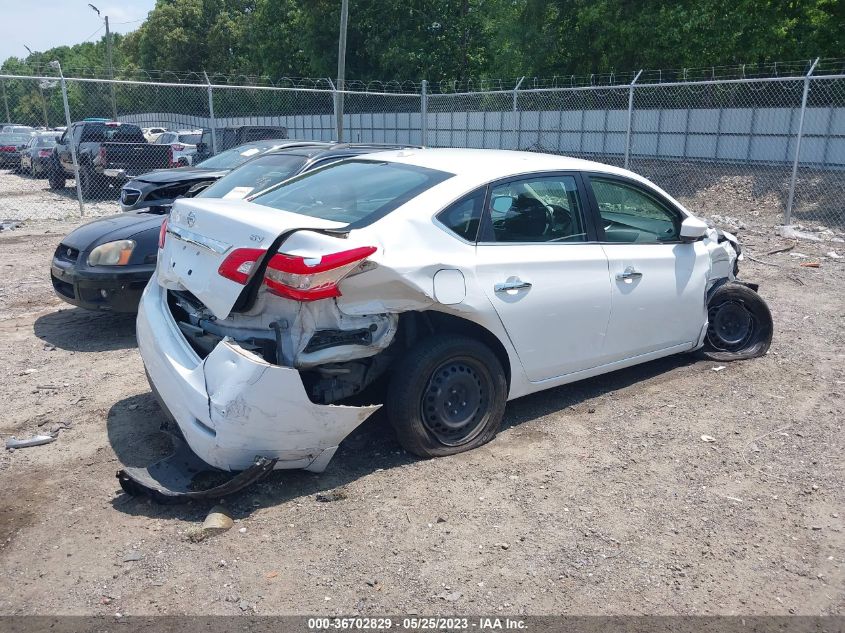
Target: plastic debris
(35,440)
(708,438)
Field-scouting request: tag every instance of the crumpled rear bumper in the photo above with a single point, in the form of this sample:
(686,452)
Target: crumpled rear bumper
(233,406)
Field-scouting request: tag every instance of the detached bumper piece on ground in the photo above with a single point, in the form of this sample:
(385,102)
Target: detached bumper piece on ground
(183,476)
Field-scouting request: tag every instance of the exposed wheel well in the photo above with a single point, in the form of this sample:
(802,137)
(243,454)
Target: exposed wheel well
(414,325)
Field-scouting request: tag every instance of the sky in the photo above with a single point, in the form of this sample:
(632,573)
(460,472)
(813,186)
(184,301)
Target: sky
(43,24)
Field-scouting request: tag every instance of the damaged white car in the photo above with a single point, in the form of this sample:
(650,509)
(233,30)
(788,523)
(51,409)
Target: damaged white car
(448,280)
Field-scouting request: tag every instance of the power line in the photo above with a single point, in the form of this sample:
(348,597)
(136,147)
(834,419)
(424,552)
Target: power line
(94,33)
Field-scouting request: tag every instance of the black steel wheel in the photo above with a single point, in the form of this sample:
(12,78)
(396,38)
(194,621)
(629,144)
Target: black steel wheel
(447,395)
(739,324)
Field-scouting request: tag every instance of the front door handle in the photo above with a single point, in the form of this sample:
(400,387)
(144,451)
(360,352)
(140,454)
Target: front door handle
(628,275)
(512,284)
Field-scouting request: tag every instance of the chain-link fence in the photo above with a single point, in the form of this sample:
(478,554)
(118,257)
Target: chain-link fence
(769,147)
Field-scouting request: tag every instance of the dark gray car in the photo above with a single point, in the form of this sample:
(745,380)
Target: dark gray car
(37,156)
(158,189)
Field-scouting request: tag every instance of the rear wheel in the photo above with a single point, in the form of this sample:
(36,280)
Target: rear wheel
(739,324)
(86,182)
(56,178)
(447,395)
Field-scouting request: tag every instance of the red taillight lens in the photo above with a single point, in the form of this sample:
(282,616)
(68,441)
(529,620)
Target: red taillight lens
(239,264)
(102,154)
(178,147)
(45,153)
(309,279)
(7,148)
(162,234)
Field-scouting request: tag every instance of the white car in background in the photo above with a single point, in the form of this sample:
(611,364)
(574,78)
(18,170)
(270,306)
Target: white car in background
(152,133)
(183,146)
(456,279)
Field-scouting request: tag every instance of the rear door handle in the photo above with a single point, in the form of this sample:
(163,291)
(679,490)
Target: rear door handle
(512,284)
(629,274)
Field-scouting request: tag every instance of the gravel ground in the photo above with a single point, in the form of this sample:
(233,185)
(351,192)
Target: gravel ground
(26,198)
(596,498)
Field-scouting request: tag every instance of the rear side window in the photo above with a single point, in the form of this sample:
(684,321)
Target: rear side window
(352,192)
(537,209)
(464,216)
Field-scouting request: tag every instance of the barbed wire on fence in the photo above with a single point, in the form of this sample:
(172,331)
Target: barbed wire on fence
(761,70)
(734,125)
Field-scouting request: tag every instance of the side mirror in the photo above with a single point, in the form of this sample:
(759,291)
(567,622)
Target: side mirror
(693,229)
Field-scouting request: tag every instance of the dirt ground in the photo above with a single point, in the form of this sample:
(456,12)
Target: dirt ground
(596,498)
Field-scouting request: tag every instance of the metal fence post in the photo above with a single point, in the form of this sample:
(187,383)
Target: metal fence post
(424,113)
(514,131)
(788,216)
(630,117)
(69,133)
(6,101)
(212,122)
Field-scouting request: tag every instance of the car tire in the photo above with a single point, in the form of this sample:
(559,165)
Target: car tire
(434,371)
(739,324)
(86,182)
(56,178)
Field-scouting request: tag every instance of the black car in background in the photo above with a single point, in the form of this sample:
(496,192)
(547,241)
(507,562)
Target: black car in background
(105,264)
(158,189)
(37,156)
(228,137)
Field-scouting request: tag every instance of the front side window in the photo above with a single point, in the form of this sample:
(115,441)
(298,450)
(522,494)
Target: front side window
(464,216)
(353,191)
(538,209)
(631,215)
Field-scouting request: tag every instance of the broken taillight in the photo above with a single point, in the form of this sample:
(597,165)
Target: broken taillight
(239,263)
(312,278)
(162,234)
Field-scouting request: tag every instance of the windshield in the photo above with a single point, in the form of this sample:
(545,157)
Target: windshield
(254,176)
(353,191)
(231,158)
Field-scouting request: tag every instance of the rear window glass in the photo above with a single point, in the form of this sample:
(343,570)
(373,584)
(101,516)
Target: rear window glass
(102,133)
(255,176)
(45,141)
(231,158)
(14,139)
(190,139)
(353,191)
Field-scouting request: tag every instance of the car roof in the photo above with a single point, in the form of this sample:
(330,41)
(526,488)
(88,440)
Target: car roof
(280,144)
(319,149)
(485,165)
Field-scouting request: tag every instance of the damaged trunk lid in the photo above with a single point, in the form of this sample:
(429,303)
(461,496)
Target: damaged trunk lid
(202,233)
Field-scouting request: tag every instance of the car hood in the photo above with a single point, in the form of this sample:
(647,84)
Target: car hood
(170,176)
(116,227)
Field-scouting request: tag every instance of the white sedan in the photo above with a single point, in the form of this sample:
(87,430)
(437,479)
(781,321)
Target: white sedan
(437,283)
